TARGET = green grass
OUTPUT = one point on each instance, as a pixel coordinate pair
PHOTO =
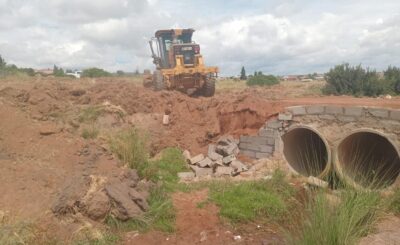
(131, 147)
(394, 202)
(90, 133)
(161, 214)
(264, 200)
(106, 239)
(337, 224)
(90, 114)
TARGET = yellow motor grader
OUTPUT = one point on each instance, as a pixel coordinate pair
(179, 64)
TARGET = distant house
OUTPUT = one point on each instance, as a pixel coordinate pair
(291, 78)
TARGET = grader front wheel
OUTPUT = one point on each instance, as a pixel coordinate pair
(209, 87)
(158, 81)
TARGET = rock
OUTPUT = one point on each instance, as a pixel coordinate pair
(223, 171)
(196, 159)
(206, 162)
(186, 176)
(186, 155)
(73, 191)
(201, 172)
(226, 160)
(130, 176)
(98, 206)
(48, 129)
(311, 180)
(218, 163)
(139, 199)
(125, 207)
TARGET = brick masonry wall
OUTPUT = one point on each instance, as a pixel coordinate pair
(333, 121)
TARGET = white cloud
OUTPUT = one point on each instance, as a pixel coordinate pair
(281, 37)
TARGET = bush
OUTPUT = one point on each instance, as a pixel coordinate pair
(355, 80)
(262, 80)
(95, 72)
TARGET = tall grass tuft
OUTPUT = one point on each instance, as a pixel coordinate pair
(131, 147)
(331, 223)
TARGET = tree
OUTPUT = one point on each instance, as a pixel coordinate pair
(137, 71)
(120, 73)
(2, 62)
(95, 72)
(262, 80)
(58, 72)
(243, 74)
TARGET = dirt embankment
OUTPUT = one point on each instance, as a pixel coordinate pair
(41, 147)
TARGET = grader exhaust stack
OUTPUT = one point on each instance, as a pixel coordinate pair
(179, 64)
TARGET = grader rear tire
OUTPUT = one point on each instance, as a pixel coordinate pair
(209, 87)
(158, 81)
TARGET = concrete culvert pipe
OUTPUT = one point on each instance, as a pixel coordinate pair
(367, 159)
(306, 151)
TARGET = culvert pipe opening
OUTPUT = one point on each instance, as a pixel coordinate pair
(367, 159)
(306, 151)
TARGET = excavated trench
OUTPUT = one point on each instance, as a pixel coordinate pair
(306, 151)
(367, 159)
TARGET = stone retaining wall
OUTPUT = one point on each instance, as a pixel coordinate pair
(333, 121)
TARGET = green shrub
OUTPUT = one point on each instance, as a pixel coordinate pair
(392, 76)
(131, 147)
(262, 80)
(95, 72)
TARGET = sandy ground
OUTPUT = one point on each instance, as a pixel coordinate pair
(40, 141)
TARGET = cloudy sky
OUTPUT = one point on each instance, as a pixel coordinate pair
(277, 37)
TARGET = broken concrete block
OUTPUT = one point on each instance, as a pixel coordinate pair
(186, 176)
(223, 171)
(196, 159)
(212, 154)
(186, 155)
(201, 172)
(226, 160)
(238, 166)
(266, 132)
(218, 162)
(311, 180)
(206, 162)
(275, 124)
(285, 116)
(226, 150)
(297, 110)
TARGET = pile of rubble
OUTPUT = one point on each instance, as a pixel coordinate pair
(220, 161)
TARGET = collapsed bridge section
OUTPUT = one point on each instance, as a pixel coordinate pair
(360, 143)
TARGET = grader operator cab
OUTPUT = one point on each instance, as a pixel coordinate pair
(179, 64)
